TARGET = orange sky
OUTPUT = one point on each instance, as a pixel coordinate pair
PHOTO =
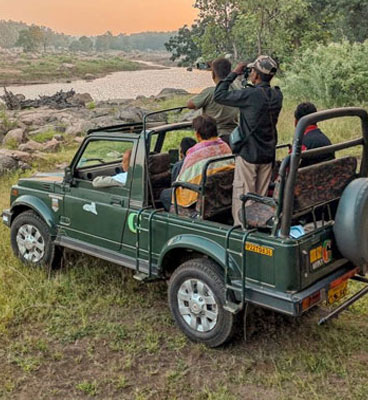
(90, 17)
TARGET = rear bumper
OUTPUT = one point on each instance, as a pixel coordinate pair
(6, 217)
(292, 303)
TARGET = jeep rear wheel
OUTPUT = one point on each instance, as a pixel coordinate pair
(31, 241)
(196, 299)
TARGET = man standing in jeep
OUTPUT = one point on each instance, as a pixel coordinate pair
(256, 138)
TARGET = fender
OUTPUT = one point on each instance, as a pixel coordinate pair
(202, 245)
(39, 207)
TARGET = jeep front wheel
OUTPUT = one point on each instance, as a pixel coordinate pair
(31, 241)
(196, 299)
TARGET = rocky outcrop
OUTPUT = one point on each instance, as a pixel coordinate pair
(25, 128)
(168, 93)
(14, 137)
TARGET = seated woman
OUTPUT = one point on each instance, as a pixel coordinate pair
(209, 146)
(166, 195)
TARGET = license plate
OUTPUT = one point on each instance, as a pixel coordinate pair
(338, 292)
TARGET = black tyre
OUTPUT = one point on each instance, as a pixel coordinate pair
(196, 299)
(31, 241)
(351, 222)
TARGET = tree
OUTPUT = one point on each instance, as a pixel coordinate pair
(184, 46)
(30, 39)
(219, 16)
(103, 42)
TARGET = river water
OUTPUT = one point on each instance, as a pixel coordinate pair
(125, 84)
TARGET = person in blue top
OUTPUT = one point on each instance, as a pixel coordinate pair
(118, 179)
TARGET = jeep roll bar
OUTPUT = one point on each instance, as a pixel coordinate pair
(297, 155)
(146, 116)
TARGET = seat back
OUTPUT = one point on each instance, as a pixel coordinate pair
(323, 182)
(217, 194)
(159, 170)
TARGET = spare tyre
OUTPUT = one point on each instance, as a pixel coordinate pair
(351, 222)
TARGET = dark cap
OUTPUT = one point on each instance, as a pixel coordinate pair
(264, 64)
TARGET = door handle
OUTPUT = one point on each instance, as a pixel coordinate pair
(118, 201)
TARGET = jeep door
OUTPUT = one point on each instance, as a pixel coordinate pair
(97, 215)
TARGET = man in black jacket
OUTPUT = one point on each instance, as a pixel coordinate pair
(259, 106)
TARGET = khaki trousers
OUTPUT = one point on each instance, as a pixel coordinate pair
(249, 178)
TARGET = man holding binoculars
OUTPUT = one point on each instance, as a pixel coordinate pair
(255, 139)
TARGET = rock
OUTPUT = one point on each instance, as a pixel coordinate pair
(51, 146)
(101, 112)
(190, 69)
(15, 136)
(189, 116)
(78, 139)
(62, 166)
(89, 77)
(79, 128)
(7, 163)
(106, 121)
(171, 92)
(17, 155)
(31, 146)
(114, 102)
(39, 117)
(80, 99)
(20, 96)
(59, 138)
(66, 66)
(46, 128)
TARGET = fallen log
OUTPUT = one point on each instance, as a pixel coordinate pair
(59, 100)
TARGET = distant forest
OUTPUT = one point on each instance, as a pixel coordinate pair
(34, 38)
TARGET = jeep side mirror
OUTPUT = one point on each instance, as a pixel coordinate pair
(68, 178)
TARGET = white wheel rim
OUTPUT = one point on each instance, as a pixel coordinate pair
(31, 243)
(197, 305)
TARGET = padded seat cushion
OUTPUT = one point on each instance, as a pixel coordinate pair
(259, 215)
(158, 163)
(314, 185)
(162, 179)
(323, 182)
(218, 193)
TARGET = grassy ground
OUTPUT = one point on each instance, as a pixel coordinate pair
(91, 331)
(49, 67)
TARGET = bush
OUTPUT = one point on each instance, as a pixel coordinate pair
(332, 75)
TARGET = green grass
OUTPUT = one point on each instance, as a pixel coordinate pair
(91, 331)
(43, 137)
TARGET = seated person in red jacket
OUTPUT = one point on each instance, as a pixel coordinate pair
(313, 136)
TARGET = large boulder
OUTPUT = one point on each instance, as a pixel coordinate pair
(7, 163)
(79, 128)
(136, 114)
(31, 146)
(168, 93)
(15, 136)
(17, 155)
(89, 77)
(39, 117)
(51, 146)
(80, 99)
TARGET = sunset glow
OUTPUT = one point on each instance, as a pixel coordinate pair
(92, 17)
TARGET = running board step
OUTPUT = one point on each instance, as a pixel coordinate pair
(142, 277)
(232, 307)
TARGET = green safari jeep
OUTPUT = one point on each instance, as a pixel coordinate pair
(295, 249)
